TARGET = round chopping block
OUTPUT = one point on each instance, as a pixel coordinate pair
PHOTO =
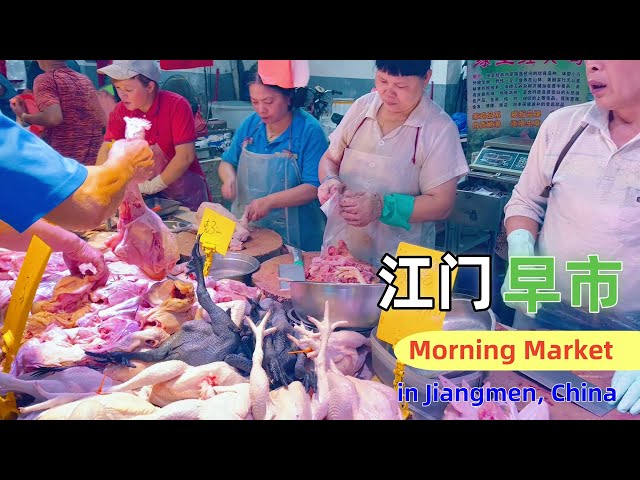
(266, 278)
(262, 245)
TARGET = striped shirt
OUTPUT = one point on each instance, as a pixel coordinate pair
(79, 136)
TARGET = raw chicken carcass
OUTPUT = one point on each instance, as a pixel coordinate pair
(175, 380)
(490, 409)
(229, 403)
(113, 406)
(173, 302)
(291, 402)
(143, 239)
(71, 380)
(348, 351)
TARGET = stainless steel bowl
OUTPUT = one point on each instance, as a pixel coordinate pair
(234, 266)
(355, 303)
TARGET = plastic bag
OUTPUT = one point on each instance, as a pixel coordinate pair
(135, 128)
(336, 225)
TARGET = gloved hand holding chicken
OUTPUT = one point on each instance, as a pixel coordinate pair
(75, 251)
(331, 185)
(360, 208)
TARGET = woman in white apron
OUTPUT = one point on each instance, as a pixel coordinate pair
(397, 157)
(271, 167)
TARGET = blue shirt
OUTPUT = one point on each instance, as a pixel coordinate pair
(309, 142)
(35, 178)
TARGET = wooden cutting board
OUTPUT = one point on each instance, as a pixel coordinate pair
(263, 244)
(266, 278)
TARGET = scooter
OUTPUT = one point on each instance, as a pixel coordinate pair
(320, 100)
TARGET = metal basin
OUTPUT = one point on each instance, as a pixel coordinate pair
(234, 266)
(355, 303)
(383, 361)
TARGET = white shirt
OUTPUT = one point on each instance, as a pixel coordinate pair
(594, 206)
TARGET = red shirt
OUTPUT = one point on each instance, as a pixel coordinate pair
(172, 124)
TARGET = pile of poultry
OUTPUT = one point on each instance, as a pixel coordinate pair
(140, 347)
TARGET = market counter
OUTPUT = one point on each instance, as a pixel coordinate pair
(558, 410)
(564, 410)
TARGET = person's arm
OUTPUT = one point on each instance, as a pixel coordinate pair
(329, 165)
(435, 204)
(45, 92)
(115, 131)
(231, 158)
(103, 190)
(39, 182)
(526, 207)
(183, 130)
(293, 197)
(227, 174)
(75, 250)
(184, 157)
(518, 222)
(103, 153)
(50, 117)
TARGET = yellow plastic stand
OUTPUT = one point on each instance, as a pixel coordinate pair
(395, 325)
(20, 304)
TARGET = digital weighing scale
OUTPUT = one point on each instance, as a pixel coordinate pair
(502, 159)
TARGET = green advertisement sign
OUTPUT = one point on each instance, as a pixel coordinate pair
(513, 97)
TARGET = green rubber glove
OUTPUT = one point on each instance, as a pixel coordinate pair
(397, 209)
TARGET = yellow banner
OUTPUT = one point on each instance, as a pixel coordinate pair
(521, 350)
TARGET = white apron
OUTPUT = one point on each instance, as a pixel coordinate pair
(375, 173)
(261, 174)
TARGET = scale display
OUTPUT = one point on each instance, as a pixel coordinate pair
(503, 161)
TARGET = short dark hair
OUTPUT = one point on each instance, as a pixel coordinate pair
(404, 68)
(297, 95)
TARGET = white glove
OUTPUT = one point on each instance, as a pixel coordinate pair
(152, 186)
(521, 244)
(627, 387)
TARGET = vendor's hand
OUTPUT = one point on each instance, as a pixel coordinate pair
(152, 186)
(329, 188)
(360, 208)
(228, 190)
(85, 253)
(521, 244)
(17, 106)
(258, 209)
(133, 156)
(627, 387)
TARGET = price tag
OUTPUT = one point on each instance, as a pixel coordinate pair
(216, 231)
